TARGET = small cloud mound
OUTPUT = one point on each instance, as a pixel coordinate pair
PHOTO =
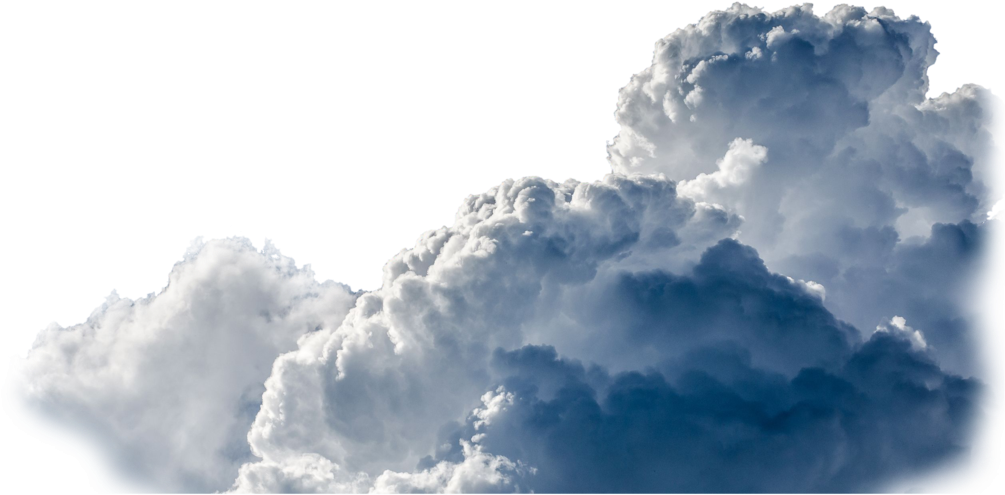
(811, 287)
(735, 169)
(898, 325)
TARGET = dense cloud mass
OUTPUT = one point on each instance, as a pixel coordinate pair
(712, 422)
(173, 381)
(818, 132)
(765, 295)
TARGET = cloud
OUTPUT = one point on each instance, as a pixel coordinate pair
(171, 382)
(818, 132)
(375, 396)
(735, 168)
(927, 281)
(371, 394)
(699, 320)
(715, 423)
(835, 196)
(811, 287)
(476, 472)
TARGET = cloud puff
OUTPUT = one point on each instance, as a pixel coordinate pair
(477, 471)
(700, 320)
(735, 168)
(172, 382)
(899, 325)
(812, 287)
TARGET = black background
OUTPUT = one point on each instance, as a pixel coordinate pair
(340, 135)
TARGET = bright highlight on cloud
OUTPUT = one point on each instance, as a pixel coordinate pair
(898, 324)
(765, 295)
(735, 168)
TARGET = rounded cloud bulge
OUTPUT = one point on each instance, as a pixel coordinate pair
(766, 294)
(817, 130)
(839, 102)
(170, 383)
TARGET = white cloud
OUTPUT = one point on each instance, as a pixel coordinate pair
(735, 168)
(811, 287)
(495, 404)
(171, 382)
(305, 473)
(776, 36)
(479, 472)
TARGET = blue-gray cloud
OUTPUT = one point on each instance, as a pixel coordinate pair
(924, 280)
(766, 295)
(715, 423)
(782, 398)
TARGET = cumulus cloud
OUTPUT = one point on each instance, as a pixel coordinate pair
(712, 422)
(172, 382)
(727, 311)
(860, 174)
(924, 280)
(853, 162)
(371, 394)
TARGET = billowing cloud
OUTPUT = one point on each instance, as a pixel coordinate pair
(172, 382)
(765, 295)
(867, 189)
(712, 422)
(517, 266)
(818, 132)
(946, 285)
